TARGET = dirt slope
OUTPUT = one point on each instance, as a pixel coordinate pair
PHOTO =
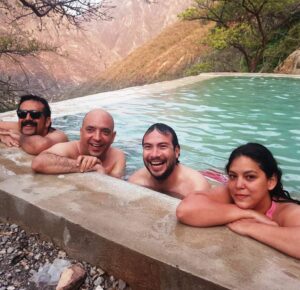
(163, 58)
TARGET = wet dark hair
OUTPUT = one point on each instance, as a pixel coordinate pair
(46, 110)
(165, 130)
(267, 163)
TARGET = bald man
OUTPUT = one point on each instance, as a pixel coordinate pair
(93, 152)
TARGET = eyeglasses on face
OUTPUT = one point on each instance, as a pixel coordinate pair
(22, 114)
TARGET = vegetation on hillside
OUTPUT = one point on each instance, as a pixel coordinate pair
(17, 42)
(165, 57)
(263, 32)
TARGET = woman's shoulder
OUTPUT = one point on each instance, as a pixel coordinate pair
(287, 206)
(287, 214)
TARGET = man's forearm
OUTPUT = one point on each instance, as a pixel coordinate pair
(54, 164)
(4, 125)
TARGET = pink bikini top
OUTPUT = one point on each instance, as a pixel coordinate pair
(271, 210)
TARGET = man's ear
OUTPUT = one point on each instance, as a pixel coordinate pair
(113, 136)
(272, 182)
(177, 151)
(48, 123)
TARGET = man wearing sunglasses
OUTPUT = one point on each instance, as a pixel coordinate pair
(93, 152)
(33, 131)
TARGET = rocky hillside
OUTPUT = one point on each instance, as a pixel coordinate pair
(291, 65)
(162, 58)
(83, 54)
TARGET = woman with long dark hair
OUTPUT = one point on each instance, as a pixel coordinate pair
(253, 203)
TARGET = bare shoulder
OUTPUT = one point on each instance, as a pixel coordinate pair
(139, 177)
(117, 153)
(195, 173)
(287, 214)
(195, 177)
(218, 193)
(116, 157)
(68, 149)
(188, 171)
(57, 136)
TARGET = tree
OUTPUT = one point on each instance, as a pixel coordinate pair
(75, 11)
(252, 27)
(15, 42)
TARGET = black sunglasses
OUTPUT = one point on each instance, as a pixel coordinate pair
(22, 114)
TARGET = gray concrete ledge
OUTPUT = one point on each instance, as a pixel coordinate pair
(132, 232)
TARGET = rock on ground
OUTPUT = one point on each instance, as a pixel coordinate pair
(22, 255)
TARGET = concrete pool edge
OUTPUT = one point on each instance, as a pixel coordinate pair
(132, 232)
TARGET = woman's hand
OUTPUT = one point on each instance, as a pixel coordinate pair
(243, 226)
(261, 218)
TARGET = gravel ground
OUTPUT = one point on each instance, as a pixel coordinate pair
(22, 255)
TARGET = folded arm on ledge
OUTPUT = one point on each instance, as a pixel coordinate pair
(66, 158)
(35, 144)
(216, 207)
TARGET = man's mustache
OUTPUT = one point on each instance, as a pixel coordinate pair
(28, 122)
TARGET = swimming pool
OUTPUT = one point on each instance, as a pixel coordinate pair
(211, 118)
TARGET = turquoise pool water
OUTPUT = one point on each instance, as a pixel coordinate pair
(211, 118)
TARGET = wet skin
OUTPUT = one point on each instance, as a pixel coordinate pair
(159, 154)
(249, 186)
(96, 134)
(29, 126)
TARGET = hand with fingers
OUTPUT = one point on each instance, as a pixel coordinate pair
(87, 163)
(243, 226)
(9, 140)
(261, 218)
(15, 135)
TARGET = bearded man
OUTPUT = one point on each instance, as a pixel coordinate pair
(162, 171)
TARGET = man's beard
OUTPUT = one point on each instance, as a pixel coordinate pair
(166, 174)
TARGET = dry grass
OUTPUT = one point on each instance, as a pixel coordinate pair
(163, 58)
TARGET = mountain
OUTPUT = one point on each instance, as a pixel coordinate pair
(163, 58)
(81, 55)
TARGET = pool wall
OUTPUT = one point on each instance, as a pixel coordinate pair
(132, 232)
(129, 231)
